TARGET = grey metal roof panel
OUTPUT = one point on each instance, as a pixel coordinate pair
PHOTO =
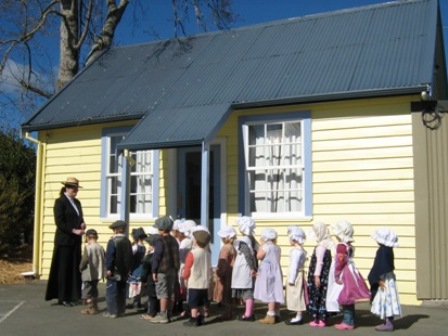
(364, 51)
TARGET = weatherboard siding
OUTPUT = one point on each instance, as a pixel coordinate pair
(362, 164)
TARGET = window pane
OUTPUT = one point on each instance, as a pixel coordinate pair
(275, 170)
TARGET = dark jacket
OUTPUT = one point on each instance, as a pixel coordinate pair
(119, 256)
(67, 219)
(166, 254)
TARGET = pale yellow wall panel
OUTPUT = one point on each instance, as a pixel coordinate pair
(362, 132)
(363, 197)
(390, 174)
(371, 208)
(379, 153)
(360, 186)
(380, 142)
(373, 220)
(366, 164)
(363, 121)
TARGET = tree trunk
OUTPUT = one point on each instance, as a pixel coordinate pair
(69, 53)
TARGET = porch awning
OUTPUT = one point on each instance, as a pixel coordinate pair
(176, 127)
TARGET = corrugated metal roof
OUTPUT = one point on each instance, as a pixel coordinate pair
(366, 51)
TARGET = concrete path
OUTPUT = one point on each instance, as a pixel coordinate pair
(23, 311)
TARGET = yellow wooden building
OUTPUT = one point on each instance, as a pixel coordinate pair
(321, 118)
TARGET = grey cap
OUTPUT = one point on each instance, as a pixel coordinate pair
(118, 224)
(151, 240)
(164, 223)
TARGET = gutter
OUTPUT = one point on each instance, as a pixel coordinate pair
(37, 234)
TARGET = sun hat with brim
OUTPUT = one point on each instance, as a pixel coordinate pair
(164, 223)
(71, 182)
(385, 237)
(227, 232)
(118, 224)
(202, 237)
(343, 230)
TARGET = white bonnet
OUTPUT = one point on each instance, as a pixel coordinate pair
(385, 237)
(177, 224)
(187, 227)
(150, 230)
(297, 234)
(246, 225)
(227, 232)
(269, 234)
(343, 230)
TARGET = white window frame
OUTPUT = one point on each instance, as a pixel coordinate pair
(120, 176)
(303, 167)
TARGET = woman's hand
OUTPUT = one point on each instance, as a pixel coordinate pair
(317, 281)
(78, 232)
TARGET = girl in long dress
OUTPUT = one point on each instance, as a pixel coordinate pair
(383, 287)
(318, 275)
(269, 282)
(296, 292)
(245, 267)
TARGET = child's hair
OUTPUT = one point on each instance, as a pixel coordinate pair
(92, 234)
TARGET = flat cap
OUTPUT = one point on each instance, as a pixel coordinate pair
(164, 223)
(118, 224)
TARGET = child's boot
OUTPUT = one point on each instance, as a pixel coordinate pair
(191, 322)
(387, 326)
(268, 319)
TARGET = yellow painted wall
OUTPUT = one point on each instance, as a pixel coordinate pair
(362, 172)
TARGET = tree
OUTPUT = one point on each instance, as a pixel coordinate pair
(85, 28)
(17, 175)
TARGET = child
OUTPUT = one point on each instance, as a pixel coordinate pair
(245, 267)
(118, 266)
(93, 268)
(296, 286)
(353, 288)
(223, 288)
(198, 273)
(384, 293)
(185, 245)
(269, 282)
(165, 268)
(135, 280)
(153, 303)
(318, 275)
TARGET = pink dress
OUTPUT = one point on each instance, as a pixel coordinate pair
(354, 288)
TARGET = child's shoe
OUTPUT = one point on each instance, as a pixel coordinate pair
(191, 322)
(160, 318)
(344, 326)
(387, 326)
(317, 323)
(268, 319)
(245, 318)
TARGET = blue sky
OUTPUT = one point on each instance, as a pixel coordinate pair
(157, 22)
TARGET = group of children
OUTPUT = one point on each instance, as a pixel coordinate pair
(176, 268)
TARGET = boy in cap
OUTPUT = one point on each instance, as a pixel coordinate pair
(118, 266)
(92, 268)
(165, 268)
(198, 273)
(153, 303)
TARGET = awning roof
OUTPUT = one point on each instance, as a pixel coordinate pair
(187, 126)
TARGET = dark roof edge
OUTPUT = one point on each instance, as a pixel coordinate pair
(90, 121)
(161, 145)
(323, 98)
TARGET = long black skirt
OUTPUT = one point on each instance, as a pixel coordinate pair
(64, 282)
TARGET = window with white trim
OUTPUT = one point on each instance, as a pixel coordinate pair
(274, 170)
(141, 188)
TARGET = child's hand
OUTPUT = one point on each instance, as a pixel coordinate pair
(382, 284)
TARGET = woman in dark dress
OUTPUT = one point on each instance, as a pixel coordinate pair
(64, 283)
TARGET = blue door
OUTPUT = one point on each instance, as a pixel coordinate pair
(189, 190)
